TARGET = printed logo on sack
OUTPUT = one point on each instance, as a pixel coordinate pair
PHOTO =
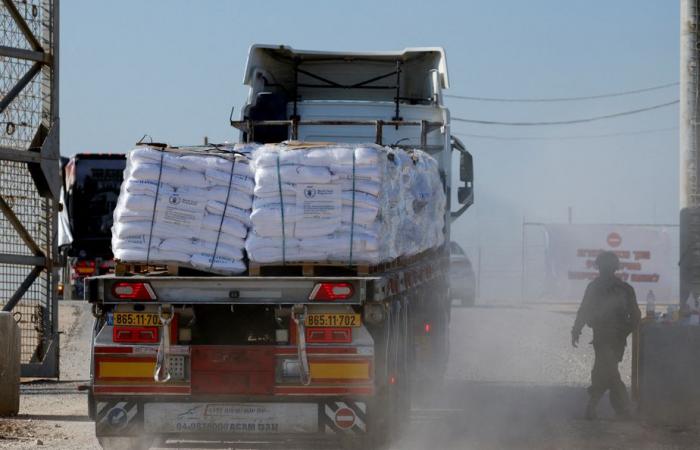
(174, 200)
(614, 240)
(310, 192)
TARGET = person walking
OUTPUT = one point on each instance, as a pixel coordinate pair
(609, 307)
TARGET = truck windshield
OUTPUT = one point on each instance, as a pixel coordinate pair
(92, 198)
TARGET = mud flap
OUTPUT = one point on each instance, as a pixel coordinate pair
(342, 417)
(118, 418)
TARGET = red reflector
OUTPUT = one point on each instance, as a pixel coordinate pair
(135, 335)
(329, 335)
(133, 291)
(332, 291)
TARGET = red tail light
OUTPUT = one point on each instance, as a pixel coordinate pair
(428, 328)
(133, 291)
(84, 267)
(329, 335)
(332, 291)
(134, 335)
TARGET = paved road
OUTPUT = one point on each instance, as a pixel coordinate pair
(514, 382)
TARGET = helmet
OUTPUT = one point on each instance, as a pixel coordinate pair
(607, 262)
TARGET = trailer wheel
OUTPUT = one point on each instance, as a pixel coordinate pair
(125, 443)
(91, 405)
(382, 422)
(469, 300)
(392, 404)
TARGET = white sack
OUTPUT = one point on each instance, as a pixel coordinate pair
(220, 264)
(184, 222)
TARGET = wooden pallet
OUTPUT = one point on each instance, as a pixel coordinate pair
(327, 268)
(122, 268)
(309, 269)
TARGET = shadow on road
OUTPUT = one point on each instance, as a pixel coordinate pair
(54, 417)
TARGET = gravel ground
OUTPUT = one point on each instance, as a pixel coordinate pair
(53, 414)
(514, 382)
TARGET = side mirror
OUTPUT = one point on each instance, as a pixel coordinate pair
(466, 176)
(465, 192)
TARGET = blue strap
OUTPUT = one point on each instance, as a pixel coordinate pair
(223, 214)
(352, 213)
(279, 187)
(155, 204)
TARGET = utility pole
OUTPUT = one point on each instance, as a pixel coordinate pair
(689, 151)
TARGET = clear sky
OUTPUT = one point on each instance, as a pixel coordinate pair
(173, 69)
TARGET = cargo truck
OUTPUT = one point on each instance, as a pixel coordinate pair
(306, 354)
(89, 192)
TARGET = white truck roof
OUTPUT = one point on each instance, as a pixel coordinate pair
(320, 75)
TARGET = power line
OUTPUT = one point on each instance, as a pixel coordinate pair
(562, 99)
(566, 138)
(566, 122)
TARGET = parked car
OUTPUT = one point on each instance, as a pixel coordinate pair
(462, 278)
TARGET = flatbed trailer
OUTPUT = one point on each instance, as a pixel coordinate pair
(305, 353)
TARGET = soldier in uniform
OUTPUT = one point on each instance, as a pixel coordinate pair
(610, 308)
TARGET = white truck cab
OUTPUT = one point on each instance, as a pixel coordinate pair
(390, 98)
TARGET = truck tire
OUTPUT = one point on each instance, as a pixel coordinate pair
(125, 443)
(469, 300)
(9, 365)
(91, 405)
(382, 421)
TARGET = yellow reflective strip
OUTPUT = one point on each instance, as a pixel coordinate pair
(130, 369)
(339, 371)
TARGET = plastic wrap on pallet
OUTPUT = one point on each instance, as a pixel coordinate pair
(355, 204)
(188, 206)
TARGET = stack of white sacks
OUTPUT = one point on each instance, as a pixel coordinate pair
(184, 206)
(343, 203)
(354, 204)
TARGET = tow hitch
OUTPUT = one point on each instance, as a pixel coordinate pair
(161, 373)
(299, 316)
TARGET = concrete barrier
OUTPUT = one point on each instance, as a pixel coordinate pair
(9, 365)
(669, 393)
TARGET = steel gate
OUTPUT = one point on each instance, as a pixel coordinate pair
(29, 177)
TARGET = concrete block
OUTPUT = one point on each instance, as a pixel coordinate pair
(9, 365)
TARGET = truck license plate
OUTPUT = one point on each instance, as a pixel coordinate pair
(332, 320)
(236, 418)
(132, 319)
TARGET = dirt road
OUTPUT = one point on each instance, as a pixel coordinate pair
(514, 382)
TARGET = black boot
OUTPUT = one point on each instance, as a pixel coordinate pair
(590, 413)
